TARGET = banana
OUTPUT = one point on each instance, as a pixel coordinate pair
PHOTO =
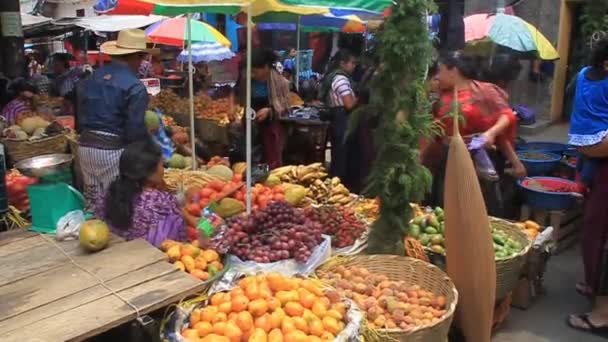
(346, 200)
(335, 181)
(280, 171)
(336, 198)
(340, 189)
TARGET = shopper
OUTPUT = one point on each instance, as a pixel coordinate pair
(112, 112)
(137, 204)
(270, 101)
(338, 95)
(589, 131)
(486, 114)
(23, 101)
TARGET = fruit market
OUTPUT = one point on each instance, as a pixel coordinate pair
(297, 170)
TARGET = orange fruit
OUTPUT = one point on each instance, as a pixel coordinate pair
(258, 335)
(199, 274)
(327, 336)
(295, 336)
(315, 327)
(307, 299)
(275, 320)
(195, 317)
(219, 328)
(275, 336)
(232, 316)
(294, 309)
(287, 325)
(263, 322)
(331, 324)
(208, 313)
(276, 281)
(203, 328)
(218, 298)
(314, 339)
(264, 290)
(300, 324)
(311, 287)
(340, 307)
(335, 314)
(218, 265)
(220, 317)
(246, 281)
(273, 303)
(237, 291)
(200, 263)
(258, 307)
(319, 309)
(287, 296)
(190, 334)
(244, 320)
(211, 255)
(225, 307)
(215, 338)
(233, 332)
(252, 291)
(188, 262)
(239, 303)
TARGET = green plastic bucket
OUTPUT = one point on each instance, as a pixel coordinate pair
(50, 202)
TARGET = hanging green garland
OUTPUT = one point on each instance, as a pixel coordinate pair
(400, 97)
(594, 19)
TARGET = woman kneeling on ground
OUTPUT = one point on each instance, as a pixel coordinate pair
(137, 204)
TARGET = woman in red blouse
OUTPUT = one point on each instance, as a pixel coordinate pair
(485, 111)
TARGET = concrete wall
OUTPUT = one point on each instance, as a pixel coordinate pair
(544, 14)
(59, 10)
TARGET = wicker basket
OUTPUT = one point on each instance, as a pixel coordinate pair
(413, 272)
(23, 149)
(508, 270)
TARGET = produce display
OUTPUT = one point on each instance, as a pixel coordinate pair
(367, 209)
(16, 188)
(188, 257)
(205, 107)
(32, 126)
(94, 235)
(388, 304)
(562, 187)
(299, 174)
(270, 308)
(217, 160)
(340, 223)
(174, 178)
(278, 232)
(428, 228)
(178, 161)
(530, 227)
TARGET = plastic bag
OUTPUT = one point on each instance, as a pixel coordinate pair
(289, 267)
(483, 164)
(68, 227)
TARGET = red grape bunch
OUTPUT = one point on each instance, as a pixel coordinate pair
(341, 223)
(275, 233)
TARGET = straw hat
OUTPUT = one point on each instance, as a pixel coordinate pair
(128, 42)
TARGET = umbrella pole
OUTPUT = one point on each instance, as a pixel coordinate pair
(191, 91)
(298, 34)
(248, 111)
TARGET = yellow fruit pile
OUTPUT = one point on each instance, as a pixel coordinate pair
(388, 304)
(188, 257)
(270, 308)
(530, 227)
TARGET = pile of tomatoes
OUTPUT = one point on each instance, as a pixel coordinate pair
(16, 188)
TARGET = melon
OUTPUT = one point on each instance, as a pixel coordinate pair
(152, 120)
(94, 235)
(222, 172)
(177, 161)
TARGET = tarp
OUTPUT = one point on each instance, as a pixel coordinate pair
(115, 23)
(28, 20)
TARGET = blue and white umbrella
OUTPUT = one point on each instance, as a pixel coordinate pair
(206, 52)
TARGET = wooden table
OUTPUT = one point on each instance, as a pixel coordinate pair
(45, 297)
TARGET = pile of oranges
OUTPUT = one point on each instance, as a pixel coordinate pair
(188, 257)
(271, 308)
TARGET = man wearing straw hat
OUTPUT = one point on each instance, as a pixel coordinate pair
(111, 112)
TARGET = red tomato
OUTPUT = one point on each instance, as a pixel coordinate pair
(237, 178)
(278, 189)
(278, 197)
(191, 233)
(203, 203)
(194, 209)
(206, 192)
(263, 203)
(239, 196)
(216, 185)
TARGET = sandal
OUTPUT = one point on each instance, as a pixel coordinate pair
(584, 290)
(590, 328)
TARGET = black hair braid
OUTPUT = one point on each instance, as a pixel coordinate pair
(599, 57)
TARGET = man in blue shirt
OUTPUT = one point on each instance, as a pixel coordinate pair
(112, 105)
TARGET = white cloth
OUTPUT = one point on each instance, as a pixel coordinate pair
(340, 87)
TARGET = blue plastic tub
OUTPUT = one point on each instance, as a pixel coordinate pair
(551, 200)
(544, 146)
(538, 166)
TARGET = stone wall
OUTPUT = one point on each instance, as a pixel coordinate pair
(544, 14)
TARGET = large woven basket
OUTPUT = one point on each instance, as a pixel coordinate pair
(508, 270)
(19, 150)
(413, 272)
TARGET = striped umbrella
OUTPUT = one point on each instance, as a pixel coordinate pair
(174, 31)
(206, 52)
(316, 23)
(509, 31)
(346, 7)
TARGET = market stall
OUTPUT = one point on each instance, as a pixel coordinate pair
(69, 294)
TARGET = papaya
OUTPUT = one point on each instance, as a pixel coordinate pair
(295, 194)
(222, 172)
(228, 207)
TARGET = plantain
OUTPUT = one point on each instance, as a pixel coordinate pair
(280, 171)
(346, 200)
(336, 198)
(340, 189)
(335, 181)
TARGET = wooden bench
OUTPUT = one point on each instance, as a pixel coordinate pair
(44, 296)
(566, 224)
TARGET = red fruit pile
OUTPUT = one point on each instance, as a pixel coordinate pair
(16, 188)
(341, 223)
(276, 233)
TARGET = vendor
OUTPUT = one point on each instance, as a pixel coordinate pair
(113, 105)
(137, 204)
(270, 101)
(64, 82)
(23, 101)
(338, 95)
(486, 113)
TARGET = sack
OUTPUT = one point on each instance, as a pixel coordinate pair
(68, 227)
